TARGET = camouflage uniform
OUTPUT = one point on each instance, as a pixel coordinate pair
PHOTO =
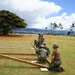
(55, 65)
(42, 54)
(48, 50)
(36, 43)
(40, 40)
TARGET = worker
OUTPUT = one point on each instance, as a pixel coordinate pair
(42, 54)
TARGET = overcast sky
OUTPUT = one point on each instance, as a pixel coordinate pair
(40, 13)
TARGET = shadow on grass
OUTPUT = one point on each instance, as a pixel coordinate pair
(18, 67)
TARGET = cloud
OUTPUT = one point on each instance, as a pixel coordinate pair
(35, 12)
(35, 5)
(65, 20)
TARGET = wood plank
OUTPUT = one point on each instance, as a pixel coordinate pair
(29, 58)
(34, 54)
(23, 61)
(48, 61)
(21, 58)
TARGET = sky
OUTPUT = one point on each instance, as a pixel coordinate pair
(41, 13)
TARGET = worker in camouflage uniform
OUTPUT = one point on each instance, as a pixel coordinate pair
(55, 59)
(42, 54)
(40, 40)
(36, 43)
(46, 48)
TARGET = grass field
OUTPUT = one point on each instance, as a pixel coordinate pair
(22, 44)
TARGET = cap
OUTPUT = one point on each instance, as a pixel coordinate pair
(42, 46)
(55, 45)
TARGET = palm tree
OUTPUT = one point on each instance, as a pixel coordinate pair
(46, 29)
(51, 25)
(54, 26)
(71, 28)
(60, 27)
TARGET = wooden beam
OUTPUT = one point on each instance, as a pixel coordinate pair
(18, 53)
(48, 61)
(29, 58)
(23, 61)
(21, 58)
(33, 46)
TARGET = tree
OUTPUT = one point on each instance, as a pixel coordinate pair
(9, 20)
(71, 28)
(60, 27)
(55, 26)
(51, 25)
(45, 27)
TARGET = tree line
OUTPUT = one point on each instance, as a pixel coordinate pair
(9, 20)
(54, 26)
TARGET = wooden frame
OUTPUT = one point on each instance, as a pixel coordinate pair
(23, 61)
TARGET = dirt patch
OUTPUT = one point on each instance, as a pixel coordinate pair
(27, 37)
(16, 37)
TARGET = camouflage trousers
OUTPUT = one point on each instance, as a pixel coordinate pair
(54, 66)
(41, 59)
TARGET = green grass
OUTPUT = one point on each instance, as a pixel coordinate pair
(10, 67)
(15, 46)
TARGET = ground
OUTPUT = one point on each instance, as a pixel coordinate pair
(22, 44)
